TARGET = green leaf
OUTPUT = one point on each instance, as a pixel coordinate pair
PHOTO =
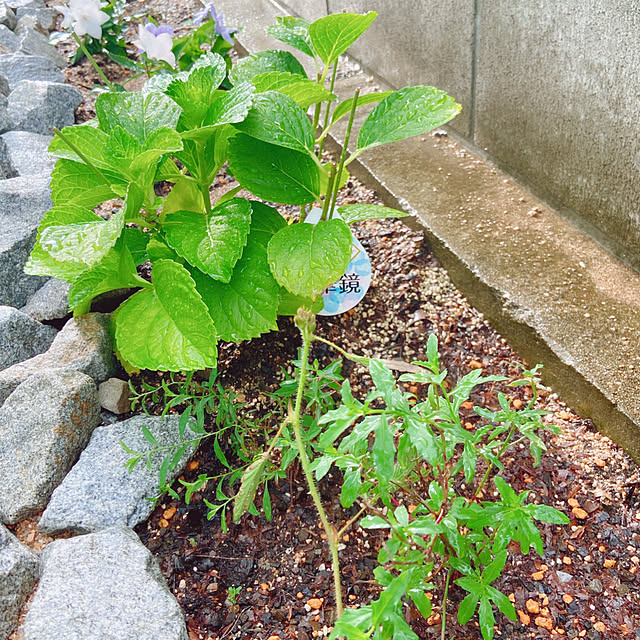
(289, 304)
(139, 114)
(492, 571)
(213, 243)
(486, 618)
(350, 487)
(86, 240)
(468, 608)
(332, 35)
(306, 259)
(545, 513)
(262, 62)
(76, 183)
(167, 327)
(186, 195)
(406, 113)
(292, 31)
(274, 173)
(383, 379)
(345, 106)
(384, 452)
(423, 604)
(251, 479)
(423, 440)
(503, 603)
(351, 213)
(194, 92)
(277, 119)
(374, 522)
(303, 90)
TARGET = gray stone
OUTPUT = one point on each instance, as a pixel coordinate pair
(99, 491)
(8, 17)
(23, 203)
(49, 302)
(19, 4)
(308, 9)
(25, 154)
(19, 66)
(36, 44)
(5, 120)
(103, 586)
(84, 345)
(19, 570)
(115, 396)
(21, 337)
(39, 106)
(9, 41)
(44, 424)
(41, 19)
(4, 87)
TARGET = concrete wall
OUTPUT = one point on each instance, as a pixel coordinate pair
(550, 90)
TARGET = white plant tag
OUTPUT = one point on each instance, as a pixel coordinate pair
(354, 284)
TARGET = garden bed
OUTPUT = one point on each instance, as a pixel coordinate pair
(583, 586)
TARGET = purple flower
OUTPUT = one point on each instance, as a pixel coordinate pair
(218, 19)
(157, 30)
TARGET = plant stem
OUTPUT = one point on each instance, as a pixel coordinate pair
(76, 150)
(91, 59)
(351, 356)
(327, 197)
(343, 155)
(206, 197)
(306, 467)
(328, 112)
(491, 464)
(443, 635)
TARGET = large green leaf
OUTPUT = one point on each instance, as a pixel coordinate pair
(167, 327)
(292, 31)
(274, 173)
(346, 105)
(213, 243)
(251, 479)
(289, 304)
(303, 90)
(351, 213)
(139, 114)
(332, 35)
(270, 60)
(86, 241)
(195, 91)
(186, 195)
(76, 183)
(247, 306)
(116, 270)
(405, 113)
(305, 259)
(277, 119)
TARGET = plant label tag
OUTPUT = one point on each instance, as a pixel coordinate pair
(347, 292)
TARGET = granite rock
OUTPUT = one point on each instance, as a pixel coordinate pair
(8, 17)
(19, 4)
(16, 67)
(84, 345)
(36, 44)
(23, 153)
(21, 337)
(9, 41)
(19, 570)
(39, 106)
(44, 424)
(39, 18)
(115, 396)
(99, 491)
(49, 302)
(23, 203)
(103, 586)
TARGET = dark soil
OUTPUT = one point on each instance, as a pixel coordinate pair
(584, 586)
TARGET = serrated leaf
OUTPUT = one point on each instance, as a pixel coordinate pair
(305, 259)
(264, 61)
(212, 243)
(408, 112)
(76, 183)
(351, 213)
(332, 35)
(139, 114)
(292, 31)
(304, 91)
(186, 195)
(247, 306)
(345, 106)
(251, 479)
(277, 119)
(167, 327)
(274, 173)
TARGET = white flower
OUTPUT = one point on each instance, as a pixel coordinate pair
(156, 42)
(85, 17)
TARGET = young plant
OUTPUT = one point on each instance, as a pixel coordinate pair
(411, 467)
(224, 270)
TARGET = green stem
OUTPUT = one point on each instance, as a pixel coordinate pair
(306, 467)
(351, 356)
(491, 464)
(91, 59)
(328, 112)
(443, 635)
(343, 155)
(206, 197)
(327, 197)
(76, 150)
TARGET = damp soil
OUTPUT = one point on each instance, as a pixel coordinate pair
(266, 579)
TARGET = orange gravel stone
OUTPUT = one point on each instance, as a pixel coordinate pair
(474, 364)
(572, 502)
(169, 513)
(567, 598)
(609, 563)
(315, 603)
(524, 618)
(600, 626)
(193, 465)
(599, 463)
(538, 575)
(545, 623)
(517, 404)
(163, 523)
(533, 606)
(579, 513)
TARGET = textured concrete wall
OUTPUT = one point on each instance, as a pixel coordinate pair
(558, 103)
(427, 42)
(307, 9)
(551, 90)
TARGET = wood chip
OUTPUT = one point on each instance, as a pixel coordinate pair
(193, 465)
